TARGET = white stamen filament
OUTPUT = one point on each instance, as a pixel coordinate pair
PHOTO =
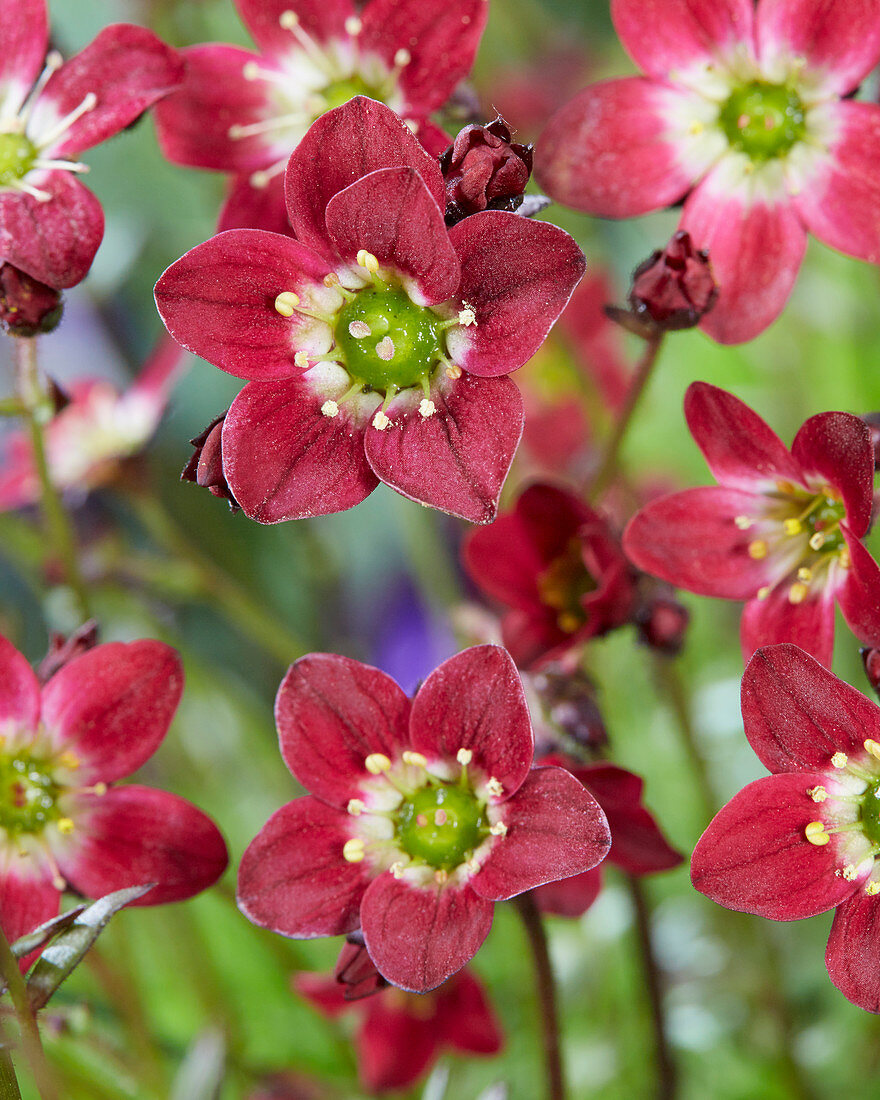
(90, 101)
(290, 21)
(280, 122)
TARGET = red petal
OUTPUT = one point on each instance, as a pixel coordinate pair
(465, 1019)
(359, 137)
(756, 243)
(851, 954)
(475, 701)
(19, 688)
(755, 858)
(836, 447)
(112, 706)
(325, 993)
(809, 625)
(293, 878)
(320, 19)
(741, 449)
(133, 835)
(691, 540)
(128, 68)
(517, 275)
(534, 637)
(332, 713)
(555, 828)
(859, 592)
(684, 34)
(392, 214)
(441, 37)
(249, 207)
(569, 897)
(218, 301)
(27, 896)
(395, 1044)
(193, 123)
(284, 459)
(797, 714)
(418, 937)
(24, 33)
(609, 151)
(840, 42)
(457, 458)
(54, 241)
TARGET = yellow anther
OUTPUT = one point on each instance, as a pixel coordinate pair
(872, 747)
(464, 757)
(251, 71)
(816, 834)
(397, 868)
(793, 526)
(839, 760)
(58, 882)
(798, 593)
(804, 574)
(367, 261)
(498, 829)
(494, 787)
(757, 549)
(353, 850)
(355, 807)
(467, 316)
(844, 559)
(568, 621)
(763, 591)
(353, 25)
(99, 789)
(696, 127)
(872, 888)
(440, 876)
(849, 872)
(380, 421)
(415, 758)
(377, 762)
(818, 794)
(288, 19)
(330, 408)
(426, 408)
(331, 279)
(286, 303)
(817, 541)
(69, 760)
(65, 825)
(743, 522)
(453, 371)
(301, 360)
(402, 57)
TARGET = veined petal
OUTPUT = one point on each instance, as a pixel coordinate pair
(456, 458)
(555, 829)
(851, 954)
(249, 207)
(808, 624)
(475, 701)
(420, 936)
(332, 713)
(322, 20)
(391, 214)
(517, 275)
(858, 592)
(27, 896)
(285, 459)
(754, 856)
(797, 714)
(217, 300)
(293, 877)
(111, 706)
(755, 240)
(19, 690)
(24, 32)
(836, 447)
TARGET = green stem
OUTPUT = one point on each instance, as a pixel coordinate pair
(30, 1035)
(9, 1089)
(59, 529)
(608, 464)
(537, 937)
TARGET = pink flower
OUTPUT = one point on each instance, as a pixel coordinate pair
(50, 225)
(806, 838)
(556, 564)
(744, 113)
(423, 813)
(782, 531)
(99, 718)
(242, 112)
(377, 340)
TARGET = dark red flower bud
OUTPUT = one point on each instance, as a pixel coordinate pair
(63, 649)
(27, 307)
(871, 661)
(674, 287)
(662, 623)
(569, 700)
(484, 170)
(356, 970)
(205, 468)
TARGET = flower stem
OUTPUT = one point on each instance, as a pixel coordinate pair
(30, 1035)
(667, 1084)
(9, 1089)
(537, 936)
(608, 464)
(59, 529)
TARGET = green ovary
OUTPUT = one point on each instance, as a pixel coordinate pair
(386, 340)
(17, 155)
(28, 795)
(341, 91)
(441, 825)
(869, 814)
(763, 120)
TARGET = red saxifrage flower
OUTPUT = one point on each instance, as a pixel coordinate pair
(745, 114)
(782, 531)
(245, 113)
(62, 823)
(806, 838)
(50, 224)
(377, 341)
(423, 813)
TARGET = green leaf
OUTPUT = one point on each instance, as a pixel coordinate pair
(201, 1072)
(44, 932)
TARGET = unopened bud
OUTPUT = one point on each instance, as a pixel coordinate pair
(27, 306)
(205, 468)
(484, 170)
(674, 288)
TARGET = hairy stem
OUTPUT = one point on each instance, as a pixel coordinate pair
(30, 1035)
(537, 936)
(9, 1089)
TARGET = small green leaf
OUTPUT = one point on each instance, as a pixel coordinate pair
(42, 934)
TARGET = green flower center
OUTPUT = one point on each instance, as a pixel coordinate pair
(441, 825)
(763, 120)
(28, 794)
(387, 341)
(869, 814)
(17, 155)
(341, 91)
(563, 584)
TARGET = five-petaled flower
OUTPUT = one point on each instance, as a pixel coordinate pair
(783, 529)
(423, 813)
(242, 112)
(50, 224)
(745, 113)
(377, 340)
(806, 838)
(62, 823)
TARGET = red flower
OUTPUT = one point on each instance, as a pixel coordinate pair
(246, 112)
(555, 563)
(423, 813)
(638, 847)
(99, 718)
(401, 1034)
(782, 530)
(745, 113)
(50, 225)
(356, 335)
(805, 839)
